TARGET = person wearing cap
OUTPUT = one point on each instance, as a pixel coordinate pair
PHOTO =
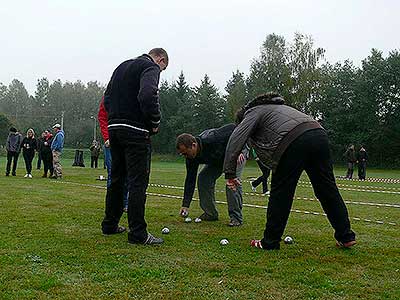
(289, 142)
(13, 147)
(133, 107)
(57, 146)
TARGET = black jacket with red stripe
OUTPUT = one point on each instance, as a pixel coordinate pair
(131, 98)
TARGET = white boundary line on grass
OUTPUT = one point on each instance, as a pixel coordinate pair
(357, 188)
(298, 198)
(221, 202)
(371, 179)
(360, 186)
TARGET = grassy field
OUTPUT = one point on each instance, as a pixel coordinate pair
(51, 246)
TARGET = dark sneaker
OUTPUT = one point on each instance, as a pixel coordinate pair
(7, 174)
(206, 217)
(150, 240)
(120, 229)
(347, 245)
(14, 174)
(234, 223)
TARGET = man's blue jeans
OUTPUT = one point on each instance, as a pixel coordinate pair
(107, 160)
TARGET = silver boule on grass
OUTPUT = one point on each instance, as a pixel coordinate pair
(165, 230)
(288, 240)
(188, 220)
(224, 242)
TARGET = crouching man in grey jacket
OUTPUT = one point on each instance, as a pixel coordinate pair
(288, 142)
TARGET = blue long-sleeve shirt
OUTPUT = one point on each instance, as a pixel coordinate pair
(58, 142)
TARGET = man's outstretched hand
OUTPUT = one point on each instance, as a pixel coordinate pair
(233, 183)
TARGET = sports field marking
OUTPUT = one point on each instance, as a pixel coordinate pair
(222, 202)
(297, 198)
(357, 188)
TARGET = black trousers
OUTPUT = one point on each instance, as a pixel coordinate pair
(131, 156)
(39, 161)
(12, 157)
(309, 152)
(263, 178)
(94, 160)
(362, 170)
(28, 158)
(350, 169)
(47, 158)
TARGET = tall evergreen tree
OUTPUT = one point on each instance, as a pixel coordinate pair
(209, 106)
(236, 95)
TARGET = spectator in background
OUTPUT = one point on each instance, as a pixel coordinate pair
(29, 145)
(362, 158)
(263, 178)
(45, 152)
(94, 154)
(350, 156)
(13, 147)
(39, 144)
(57, 146)
(103, 123)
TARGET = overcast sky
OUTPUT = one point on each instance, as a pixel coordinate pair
(86, 40)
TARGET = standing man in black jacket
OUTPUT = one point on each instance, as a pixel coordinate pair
(131, 101)
(288, 142)
(362, 158)
(209, 149)
(350, 156)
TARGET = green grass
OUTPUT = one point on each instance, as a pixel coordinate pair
(51, 246)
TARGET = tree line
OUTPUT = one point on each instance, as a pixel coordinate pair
(355, 104)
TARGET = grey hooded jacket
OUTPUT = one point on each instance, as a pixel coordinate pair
(14, 141)
(269, 129)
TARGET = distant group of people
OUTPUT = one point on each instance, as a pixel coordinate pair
(48, 146)
(285, 140)
(354, 158)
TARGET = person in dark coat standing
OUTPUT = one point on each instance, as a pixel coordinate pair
(289, 142)
(362, 158)
(351, 159)
(132, 104)
(45, 152)
(261, 179)
(29, 145)
(39, 144)
(94, 154)
(13, 147)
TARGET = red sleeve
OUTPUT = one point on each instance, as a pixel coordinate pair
(103, 120)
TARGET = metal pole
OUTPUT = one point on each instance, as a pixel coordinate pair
(62, 120)
(94, 129)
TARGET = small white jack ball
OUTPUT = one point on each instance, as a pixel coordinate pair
(288, 240)
(188, 220)
(165, 230)
(197, 220)
(224, 242)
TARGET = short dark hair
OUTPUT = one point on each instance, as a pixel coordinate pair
(13, 129)
(186, 140)
(159, 52)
